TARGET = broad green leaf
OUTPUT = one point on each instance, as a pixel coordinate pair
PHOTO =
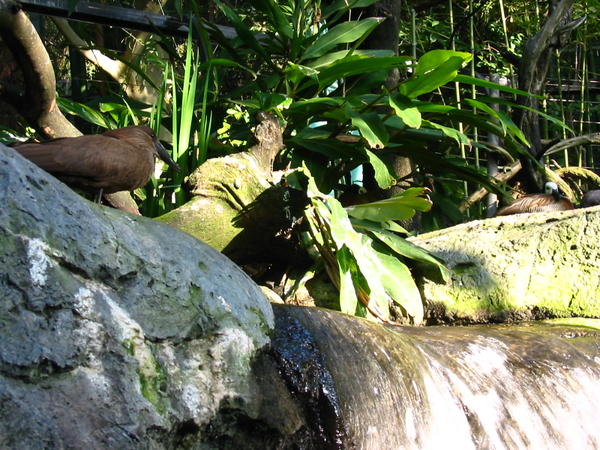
(330, 58)
(406, 110)
(383, 176)
(342, 231)
(428, 107)
(397, 281)
(505, 121)
(389, 225)
(513, 128)
(371, 127)
(346, 267)
(466, 79)
(431, 80)
(436, 58)
(407, 249)
(343, 33)
(485, 108)
(356, 65)
(84, 111)
(492, 148)
(450, 132)
(296, 72)
(330, 148)
(398, 207)
(312, 190)
(344, 234)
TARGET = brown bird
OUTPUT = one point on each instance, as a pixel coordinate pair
(551, 200)
(116, 160)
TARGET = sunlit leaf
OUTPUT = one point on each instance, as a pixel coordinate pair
(344, 234)
(407, 249)
(329, 58)
(453, 133)
(432, 79)
(398, 207)
(436, 58)
(346, 267)
(406, 110)
(371, 128)
(397, 281)
(342, 33)
(85, 112)
(356, 65)
(382, 174)
(296, 72)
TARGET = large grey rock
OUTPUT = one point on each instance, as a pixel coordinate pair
(517, 267)
(116, 331)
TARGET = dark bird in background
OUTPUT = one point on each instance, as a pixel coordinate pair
(116, 160)
(552, 200)
(590, 198)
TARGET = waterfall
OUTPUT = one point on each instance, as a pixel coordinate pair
(477, 387)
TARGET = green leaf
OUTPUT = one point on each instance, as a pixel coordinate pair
(407, 249)
(406, 110)
(296, 72)
(330, 58)
(397, 281)
(277, 17)
(344, 234)
(389, 225)
(331, 148)
(398, 207)
(450, 132)
(341, 6)
(436, 58)
(432, 79)
(356, 65)
(244, 32)
(347, 269)
(371, 127)
(466, 79)
(84, 111)
(343, 33)
(383, 176)
(548, 117)
(505, 121)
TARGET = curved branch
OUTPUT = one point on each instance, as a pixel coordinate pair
(112, 67)
(592, 138)
(38, 103)
(116, 69)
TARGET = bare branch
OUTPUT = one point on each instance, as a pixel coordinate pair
(38, 103)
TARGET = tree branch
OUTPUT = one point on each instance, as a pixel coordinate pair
(38, 103)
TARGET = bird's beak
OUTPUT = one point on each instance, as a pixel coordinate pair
(162, 154)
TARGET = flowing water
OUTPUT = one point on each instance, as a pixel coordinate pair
(476, 387)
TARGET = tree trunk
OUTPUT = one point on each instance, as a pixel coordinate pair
(532, 74)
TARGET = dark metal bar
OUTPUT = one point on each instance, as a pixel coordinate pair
(114, 15)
